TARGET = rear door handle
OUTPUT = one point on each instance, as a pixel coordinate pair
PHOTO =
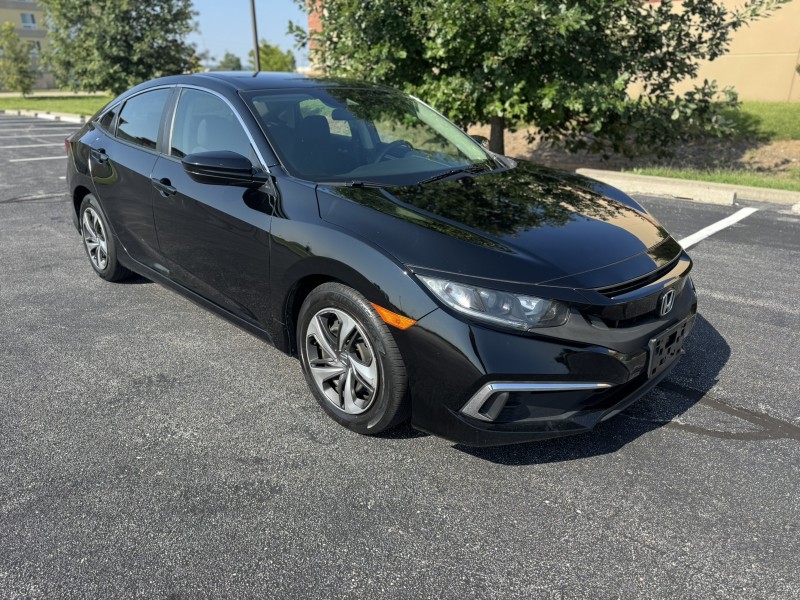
(164, 186)
(99, 154)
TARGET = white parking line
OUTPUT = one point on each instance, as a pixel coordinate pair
(37, 135)
(38, 158)
(28, 146)
(33, 127)
(699, 236)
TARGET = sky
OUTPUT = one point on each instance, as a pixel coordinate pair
(225, 26)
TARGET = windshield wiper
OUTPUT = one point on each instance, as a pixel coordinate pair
(477, 168)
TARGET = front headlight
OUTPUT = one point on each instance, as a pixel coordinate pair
(519, 312)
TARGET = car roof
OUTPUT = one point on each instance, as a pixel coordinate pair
(249, 81)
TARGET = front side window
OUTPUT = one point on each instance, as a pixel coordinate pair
(140, 118)
(338, 134)
(205, 123)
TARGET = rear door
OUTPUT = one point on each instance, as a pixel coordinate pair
(213, 238)
(122, 157)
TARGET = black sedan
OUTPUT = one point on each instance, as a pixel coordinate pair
(413, 273)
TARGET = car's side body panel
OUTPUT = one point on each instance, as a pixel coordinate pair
(215, 240)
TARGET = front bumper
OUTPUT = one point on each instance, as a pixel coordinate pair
(483, 387)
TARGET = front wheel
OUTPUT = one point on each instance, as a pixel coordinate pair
(350, 360)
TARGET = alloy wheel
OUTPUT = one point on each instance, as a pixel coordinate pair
(94, 236)
(342, 361)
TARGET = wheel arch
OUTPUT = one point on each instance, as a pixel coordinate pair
(387, 285)
(78, 194)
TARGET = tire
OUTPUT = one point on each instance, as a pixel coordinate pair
(99, 242)
(360, 380)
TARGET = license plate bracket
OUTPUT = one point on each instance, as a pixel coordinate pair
(667, 346)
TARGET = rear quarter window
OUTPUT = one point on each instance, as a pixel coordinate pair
(140, 118)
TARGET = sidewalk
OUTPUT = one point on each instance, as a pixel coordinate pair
(50, 116)
(698, 191)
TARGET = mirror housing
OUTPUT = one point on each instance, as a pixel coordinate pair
(222, 167)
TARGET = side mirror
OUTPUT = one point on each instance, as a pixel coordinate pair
(481, 139)
(223, 168)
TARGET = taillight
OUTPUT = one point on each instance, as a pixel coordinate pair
(66, 145)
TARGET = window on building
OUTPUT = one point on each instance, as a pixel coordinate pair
(28, 20)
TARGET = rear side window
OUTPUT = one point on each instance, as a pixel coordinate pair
(205, 123)
(141, 117)
(107, 120)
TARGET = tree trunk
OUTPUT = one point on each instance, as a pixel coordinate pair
(496, 136)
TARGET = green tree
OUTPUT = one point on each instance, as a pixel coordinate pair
(230, 62)
(115, 44)
(564, 66)
(272, 59)
(17, 73)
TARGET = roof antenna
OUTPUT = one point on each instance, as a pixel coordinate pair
(257, 54)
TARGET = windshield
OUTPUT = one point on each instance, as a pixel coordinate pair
(358, 134)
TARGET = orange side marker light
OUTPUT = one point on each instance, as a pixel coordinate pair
(394, 319)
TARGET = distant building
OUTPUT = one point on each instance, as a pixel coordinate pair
(761, 64)
(763, 57)
(28, 18)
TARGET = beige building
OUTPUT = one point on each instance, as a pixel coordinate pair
(28, 18)
(763, 58)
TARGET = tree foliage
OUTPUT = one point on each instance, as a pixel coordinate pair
(272, 58)
(17, 73)
(562, 65)
(115, 44)
(230, 62)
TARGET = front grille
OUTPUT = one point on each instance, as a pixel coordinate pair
(637, 301)
(613, 291)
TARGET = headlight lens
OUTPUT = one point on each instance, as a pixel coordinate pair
(518, 312)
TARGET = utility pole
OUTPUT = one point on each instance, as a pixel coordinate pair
(257, 54)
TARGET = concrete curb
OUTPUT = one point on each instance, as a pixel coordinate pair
(49, 116)
(697, 191)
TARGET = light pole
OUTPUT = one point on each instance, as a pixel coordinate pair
(257, 54)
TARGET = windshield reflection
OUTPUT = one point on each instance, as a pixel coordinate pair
(361, 134)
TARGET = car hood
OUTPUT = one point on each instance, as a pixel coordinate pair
(525, 225)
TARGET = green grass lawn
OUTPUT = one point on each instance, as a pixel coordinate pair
(789, 180)
(770, 120)
(79, 105)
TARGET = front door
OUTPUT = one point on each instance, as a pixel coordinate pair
(214, 239)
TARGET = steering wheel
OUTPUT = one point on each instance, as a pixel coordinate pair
(392, 146)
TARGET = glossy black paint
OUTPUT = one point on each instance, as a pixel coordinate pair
(252, 253)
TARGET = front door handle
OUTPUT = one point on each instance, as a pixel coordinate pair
(99, 154)
(164, 186)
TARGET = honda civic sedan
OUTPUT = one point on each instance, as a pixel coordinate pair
(413, 273)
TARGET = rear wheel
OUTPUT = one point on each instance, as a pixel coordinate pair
(98, 241)
(350, 360)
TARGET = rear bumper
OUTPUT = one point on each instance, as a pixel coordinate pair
(483, 387)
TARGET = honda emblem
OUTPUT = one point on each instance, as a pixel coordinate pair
(665, 303)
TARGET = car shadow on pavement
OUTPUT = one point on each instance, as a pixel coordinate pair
(693, 377)
(136, 280)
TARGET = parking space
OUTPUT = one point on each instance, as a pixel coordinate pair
(150, 449)
(32, 140)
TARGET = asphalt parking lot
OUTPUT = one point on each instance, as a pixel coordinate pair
(149, 449)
